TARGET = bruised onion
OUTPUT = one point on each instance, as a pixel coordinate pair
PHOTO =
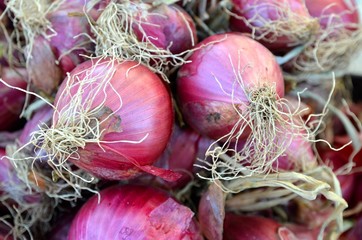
(11, 100)
(233, 87)
(137, 212)
(111, 118)
(279, 25)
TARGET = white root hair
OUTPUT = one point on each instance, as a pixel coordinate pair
(115, 37)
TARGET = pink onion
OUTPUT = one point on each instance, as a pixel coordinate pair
(118, 107)
(136, 212)
(11, 100)
(279, 25)
(167, 27)
(355, 233)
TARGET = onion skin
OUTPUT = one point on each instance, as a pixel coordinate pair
(137, 213)
(168, 28)
(204, 105)
(282, 42)
(11, 100)
(144, 111)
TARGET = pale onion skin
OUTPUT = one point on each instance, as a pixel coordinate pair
(133, 212)
(146, 109)
(283, 42)
(170, 28)
(205, 107)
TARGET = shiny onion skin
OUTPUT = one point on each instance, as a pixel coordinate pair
(11, 100)
(168, 27)
(133, 212)
(204, 105)
(279, 25)
(145, 117)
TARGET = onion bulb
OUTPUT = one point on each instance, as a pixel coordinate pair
(107, 122)
(136, 212)
(232, 90)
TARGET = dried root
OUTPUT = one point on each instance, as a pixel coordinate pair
(115, 37)
(297, 29)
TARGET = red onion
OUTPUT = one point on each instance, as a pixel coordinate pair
(144, 33)
(233, 86)
(167, 27)
(136, 212)
(11, 100)
(339, 37)
(279, 25)
(104, 105)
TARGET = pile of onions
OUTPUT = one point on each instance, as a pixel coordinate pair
(11, 100)
(279, 25)
(155, 35)
(337, 40)
(137, 212)
(103, 105)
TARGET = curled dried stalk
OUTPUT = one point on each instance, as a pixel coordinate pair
(115, 37)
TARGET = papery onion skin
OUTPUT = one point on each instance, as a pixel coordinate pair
(260, 13)
(11, 100)
(168, 27)
(204, 104)
(146, 112)
(136, 212)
